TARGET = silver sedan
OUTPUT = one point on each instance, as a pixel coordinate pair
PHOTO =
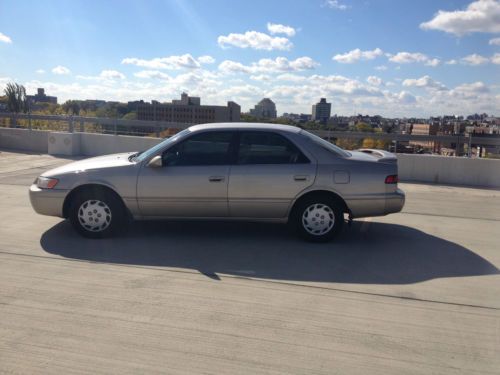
(231, 171)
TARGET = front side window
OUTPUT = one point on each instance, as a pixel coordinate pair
(210, 148)
(268, 148)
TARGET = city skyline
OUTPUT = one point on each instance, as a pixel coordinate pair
(392, 59)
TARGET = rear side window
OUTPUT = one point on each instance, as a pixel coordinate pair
(210, 148)
(325, 144)
(268, 148)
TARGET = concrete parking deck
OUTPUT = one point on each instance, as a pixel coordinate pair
(414, 293)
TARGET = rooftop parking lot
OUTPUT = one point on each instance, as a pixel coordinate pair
(414, 292)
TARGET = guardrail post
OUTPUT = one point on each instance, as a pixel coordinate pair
(82, 129)
(157, 130)
(70, 124)
(470, 145)
(29, 121)
(114, 126)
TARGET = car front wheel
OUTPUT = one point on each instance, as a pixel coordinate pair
(318, 219)
(97, 214)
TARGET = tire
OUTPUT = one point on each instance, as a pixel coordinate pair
(97, 214)
(318, 218)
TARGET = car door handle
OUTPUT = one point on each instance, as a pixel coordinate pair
(216, 178)
(300, 177)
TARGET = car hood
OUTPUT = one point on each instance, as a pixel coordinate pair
(96, 163)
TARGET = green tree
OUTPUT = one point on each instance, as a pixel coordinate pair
(72, 107)
(348, 143)
(130, 116)
(363, 127)
(16, 98)
(382, 144)
(369, 143)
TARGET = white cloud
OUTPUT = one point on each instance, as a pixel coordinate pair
(381, 67)
(494, 42)
(61, 70)
(185, 61)
(291, 92)
(229, 66)
(291, 77)
(405, 97)
(254, 40)
(374, 80)
(280, 64)
(451, 62)
(496, 59)
(474, 59)
(413, 57)
(336, 4)
(276, 28)
(433, 62)
(105, 75)
(5, 39)
(424, 82)
(468, 89)
(111, 74)
(40, 71)
(206, 59)
(156, 74)
(261, 78)
(479, 16)
(3, 82)
(356, 55)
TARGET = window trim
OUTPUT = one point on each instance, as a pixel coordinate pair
(237, 147)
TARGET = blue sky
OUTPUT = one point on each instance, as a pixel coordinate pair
(394, 58)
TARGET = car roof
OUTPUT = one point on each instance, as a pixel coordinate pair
(246, 126)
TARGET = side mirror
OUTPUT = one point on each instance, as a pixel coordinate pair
(156, 162)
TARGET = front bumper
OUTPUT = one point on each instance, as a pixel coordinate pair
(394, 202)
(47, 201)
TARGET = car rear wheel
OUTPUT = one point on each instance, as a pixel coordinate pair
(97, 214)
(318, 219)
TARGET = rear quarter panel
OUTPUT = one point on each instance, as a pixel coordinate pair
(364, 190)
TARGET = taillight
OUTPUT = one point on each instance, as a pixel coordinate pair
(392, 179)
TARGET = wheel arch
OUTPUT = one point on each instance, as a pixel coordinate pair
(90, 187)
(319, 192)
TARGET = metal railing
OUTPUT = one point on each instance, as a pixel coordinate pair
(80, 124)
(156, 128)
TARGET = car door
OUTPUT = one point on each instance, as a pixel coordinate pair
(192, 181)
(270, 171)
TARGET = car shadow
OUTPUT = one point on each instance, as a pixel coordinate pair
(366, 253)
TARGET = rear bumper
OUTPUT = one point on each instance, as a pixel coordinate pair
(376, 204)
(47, 201)
(394, 202)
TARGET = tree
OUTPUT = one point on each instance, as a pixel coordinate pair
(130, 116)
(16, 98)
(72, 107)
(347, 143)
(382, 144)
(369, 143)
(363, 127)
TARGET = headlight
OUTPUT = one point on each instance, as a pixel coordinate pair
(46, 182)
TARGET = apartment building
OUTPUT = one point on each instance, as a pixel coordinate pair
(188, 110)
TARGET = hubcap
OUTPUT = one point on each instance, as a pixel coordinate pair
(318, 219)
(94, 215)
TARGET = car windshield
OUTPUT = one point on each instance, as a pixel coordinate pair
(153, 150)
(325, 144)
